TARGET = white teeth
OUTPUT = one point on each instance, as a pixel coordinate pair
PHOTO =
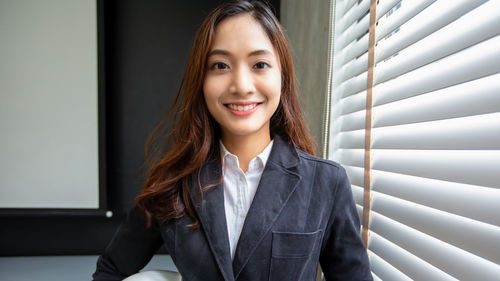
(241, 107)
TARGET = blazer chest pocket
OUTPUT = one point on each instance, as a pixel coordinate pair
(293, 255)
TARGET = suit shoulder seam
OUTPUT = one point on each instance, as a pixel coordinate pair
(309, 157)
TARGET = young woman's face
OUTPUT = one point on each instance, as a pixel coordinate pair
(242, 85)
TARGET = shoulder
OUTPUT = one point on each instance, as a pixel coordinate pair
(309, 159)
(327, 179)
(321, 172)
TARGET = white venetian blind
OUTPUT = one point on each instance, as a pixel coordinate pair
(434, 164)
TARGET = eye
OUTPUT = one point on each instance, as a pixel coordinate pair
(261, 65)
(219, 65)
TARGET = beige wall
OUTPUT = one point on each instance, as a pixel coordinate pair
(306, 24)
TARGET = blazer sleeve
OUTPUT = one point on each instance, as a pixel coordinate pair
(132, 247)
(344, 255)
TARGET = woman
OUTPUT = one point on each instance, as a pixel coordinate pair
(238, 195)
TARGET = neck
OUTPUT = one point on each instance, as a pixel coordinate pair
(246, 147)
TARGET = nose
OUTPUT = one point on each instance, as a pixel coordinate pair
(242, 81)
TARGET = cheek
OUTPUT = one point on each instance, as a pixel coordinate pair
(276, 87)
(212, 89)
(209, 92)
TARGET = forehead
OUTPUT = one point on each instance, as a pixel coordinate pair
(241, 32)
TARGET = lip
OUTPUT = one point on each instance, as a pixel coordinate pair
(242, 113)
(243, 103)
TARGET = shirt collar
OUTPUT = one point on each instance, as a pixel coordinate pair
(263, 156)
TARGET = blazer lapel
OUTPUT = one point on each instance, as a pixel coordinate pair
(277, 183)
(209, 207)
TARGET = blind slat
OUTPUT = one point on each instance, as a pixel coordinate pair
(472, 63)
(352, 103)
(359, 209)
(355, 175)
(407, 11)
(352, 121)
(348, 22)
(344, 6)
(353, 85)
(354, 67)
(357, 193)
(473, 236)
(454, 261)
(472, 28)
(356, 30)
(352, 51)
(385, 6)
(476, 167)
(436, 16)
(351, 140)
(385, 270)
(351, 157)
(471, 201)
(471, 98)
(405, 261)
(375, 277)
(473, 132)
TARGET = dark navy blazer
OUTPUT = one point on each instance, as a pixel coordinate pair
(303, 212)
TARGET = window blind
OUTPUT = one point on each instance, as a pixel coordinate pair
(433, 134)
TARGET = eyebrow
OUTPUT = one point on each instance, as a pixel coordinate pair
(226, 53)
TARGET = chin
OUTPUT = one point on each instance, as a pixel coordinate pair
(242, 132)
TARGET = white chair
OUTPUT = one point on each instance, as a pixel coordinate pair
(155, 275)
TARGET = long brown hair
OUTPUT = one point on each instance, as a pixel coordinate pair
(195, 135)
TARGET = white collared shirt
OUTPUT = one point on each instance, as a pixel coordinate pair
(239, 189)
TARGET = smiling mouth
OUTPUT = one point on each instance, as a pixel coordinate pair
(239, 107)
(243, 108)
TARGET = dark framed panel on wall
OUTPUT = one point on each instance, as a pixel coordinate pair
(53, 111)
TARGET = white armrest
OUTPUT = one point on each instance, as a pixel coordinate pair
(155, 275)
